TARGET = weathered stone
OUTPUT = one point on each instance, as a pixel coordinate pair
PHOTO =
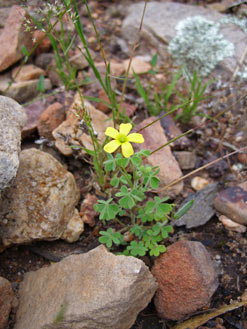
(26, 90)
(12, 119)
(231, 225)
(44, 60)
(40, 205)
(13, 37)
(87, 211)
(232, 202)
(202, 209)
(43, 40)
(76, 134)
(173, 131)
(4, 14)
(186, 160)
(50, 119)
(186, 279)
(198, 183)
(78, 60)
(138, 65)
(161, 20)
(95, 290)
(27, 72)
(169, 169)
(6, 298)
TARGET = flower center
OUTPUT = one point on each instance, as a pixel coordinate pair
(122, 138)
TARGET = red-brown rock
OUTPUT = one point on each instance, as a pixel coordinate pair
(50, 119)
(87, 211)
(27, 72)
(186, 279)
(6, 298)
(13, 37)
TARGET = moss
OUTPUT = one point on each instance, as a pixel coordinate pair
(199, 45)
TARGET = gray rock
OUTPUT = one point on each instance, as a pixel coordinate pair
(6, 298)
(159, 29)
(12, 119)
(202, 210)
(40, 205)
(92, 290)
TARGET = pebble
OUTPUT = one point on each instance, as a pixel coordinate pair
(198, 183)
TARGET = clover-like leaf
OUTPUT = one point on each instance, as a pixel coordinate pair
(137, 230)
(137, 248)
(115, 181)
(109, 237)
(154, 182)
(106, 209)
(110, 163)
(156, 249)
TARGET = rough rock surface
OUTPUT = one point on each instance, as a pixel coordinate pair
(50, 119)
(12, 119)
(70, 132)
(202, 210)
(96, 290)
(27, 72)
(169, 169)
(159, 24)
(13, 37)
(6, 297)
(186, 279)
(41, 203)
(232, 202)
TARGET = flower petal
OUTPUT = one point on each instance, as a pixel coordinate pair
(127, 150)
(125, 128)
(136, 138)
(111, 132)
(112, 146)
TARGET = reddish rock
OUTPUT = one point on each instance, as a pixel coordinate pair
(27, 72)
(102, 106)
(154, 137)
(50, 119)
(6, 298)
(232, 202)
(186, 279)
(13, 37)
(87, 211)
(129, 109)
(45, 44)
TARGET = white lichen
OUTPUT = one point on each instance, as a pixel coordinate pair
(240, 22)
(199, 45)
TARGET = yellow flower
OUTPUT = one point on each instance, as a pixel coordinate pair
(121, 138)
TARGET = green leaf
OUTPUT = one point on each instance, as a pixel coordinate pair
(154, 182)
(136, 160)
(165, 230)
(115, 181)
(110, 163)
(154, 59)
(137, 248)
(127, 202)
(107, 210)
(137, 230)
(156, 250)
(109, 237)
(181, 211)
(41, 84)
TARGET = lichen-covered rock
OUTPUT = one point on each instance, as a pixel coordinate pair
(40, 205)
(199, 43)
(12, 120)
(92, 290)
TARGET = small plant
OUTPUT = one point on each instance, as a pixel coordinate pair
(142, 220)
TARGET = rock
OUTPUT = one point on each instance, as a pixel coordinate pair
(138, 65)
(198, 183)
(50, 119)
(186, 160)
(45, 43)
(117, 69)
(173, 131)
(232, 202)
(27, 72)
(41, 203)
(44, 60)
(75, 133)
(12, 119)
(4, 14)
(128, 109)
(13, 38)
(202, 209)
(6, 298)
(77, 59)
(95, 290)
(169, 169)
(87, 211)
(186, 279)
(23, 90)
(100, 105)
(160, 27)
(231, 225)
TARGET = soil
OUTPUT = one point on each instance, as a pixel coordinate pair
(228, 248)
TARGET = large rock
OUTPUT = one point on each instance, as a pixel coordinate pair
(6, 298)
(12, 119)
(186, 279)
(41, 203)
(159, 29)
(13, 37)
(232, 202)
(95, 290)
(154, 137)
(73, 131)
